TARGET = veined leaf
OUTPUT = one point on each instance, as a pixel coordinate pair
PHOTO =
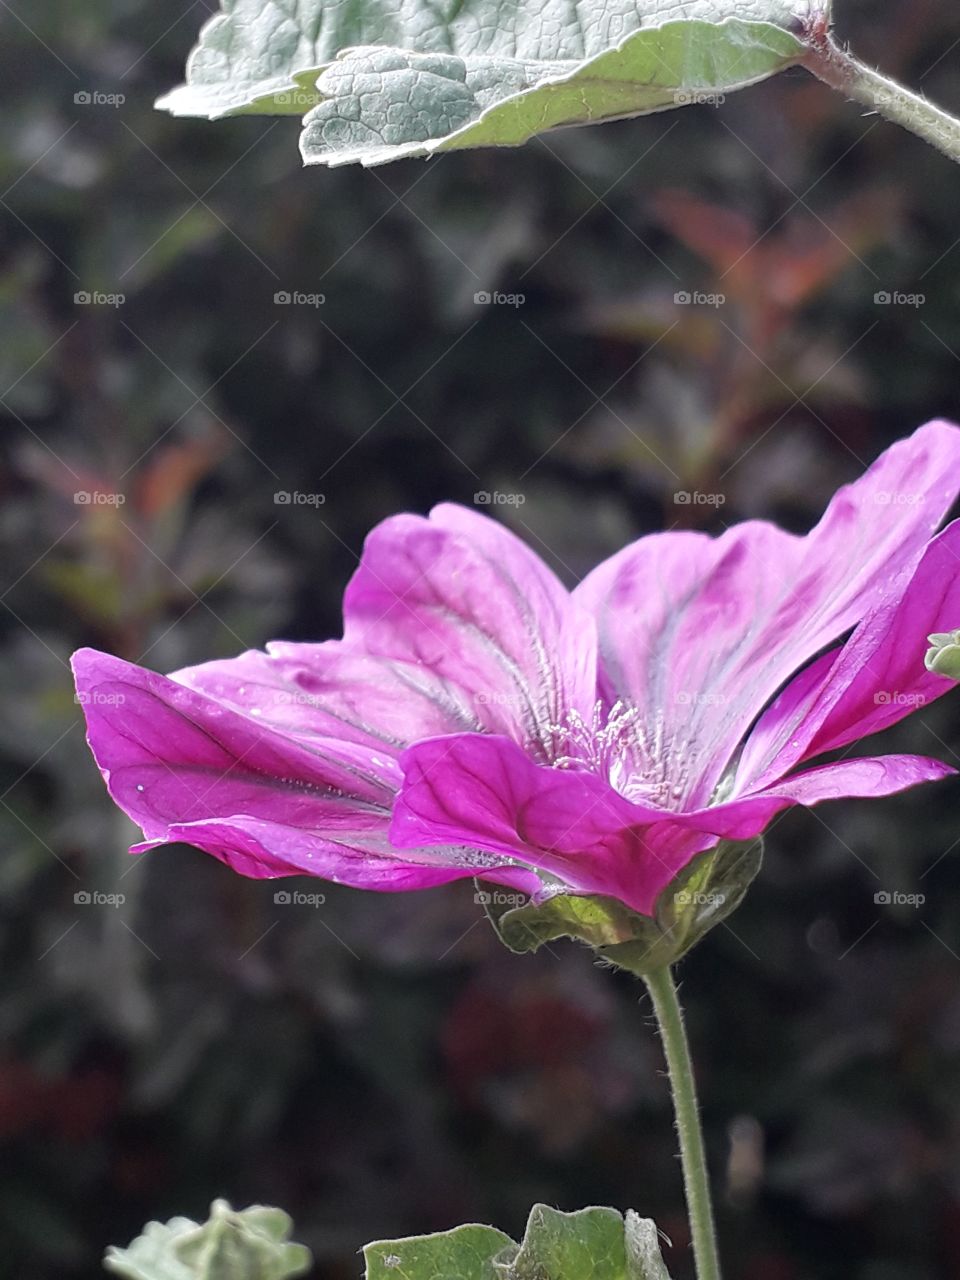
(597, 1243)
(377, 80)
(466, 1252)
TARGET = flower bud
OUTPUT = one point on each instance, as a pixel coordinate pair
(944, 658)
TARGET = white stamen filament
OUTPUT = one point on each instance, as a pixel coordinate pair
(626, 747)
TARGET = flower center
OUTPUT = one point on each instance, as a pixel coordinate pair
(626, 747)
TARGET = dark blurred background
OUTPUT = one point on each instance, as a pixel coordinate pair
(377, 1065)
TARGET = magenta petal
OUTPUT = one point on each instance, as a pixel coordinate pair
(313, 691)
(171, 755)
(744, 818)
(700, 633)
(571, 825)
(263, 850)
(462, 597)
(783, 727)
(876, 679)
(185, 767)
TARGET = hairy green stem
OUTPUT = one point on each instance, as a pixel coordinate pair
(695, 1178)
(837, 67)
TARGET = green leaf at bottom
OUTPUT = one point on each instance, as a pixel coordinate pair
(590, 1244)
(561, 1246)
(465, 1253)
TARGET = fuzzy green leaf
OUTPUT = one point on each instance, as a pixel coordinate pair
(563, 1246)
(596, 1243)
(380, 79)
(465, 1253)
(251, 1244)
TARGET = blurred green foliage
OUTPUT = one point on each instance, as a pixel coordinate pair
(377, 1065)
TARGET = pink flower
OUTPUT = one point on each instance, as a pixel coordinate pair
(477, 719)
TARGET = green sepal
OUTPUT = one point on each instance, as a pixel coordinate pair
(598, 1243)
(701, 896)
(248, 1244)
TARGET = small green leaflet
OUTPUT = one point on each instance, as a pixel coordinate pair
(378, 80)
(247, 1244)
